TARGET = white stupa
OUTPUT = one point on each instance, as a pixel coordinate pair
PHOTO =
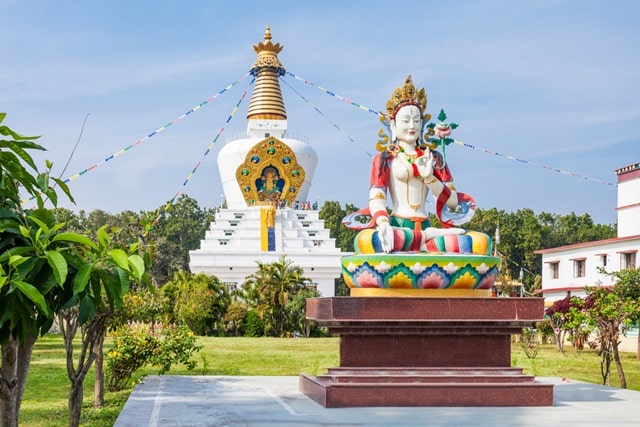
(266, 178)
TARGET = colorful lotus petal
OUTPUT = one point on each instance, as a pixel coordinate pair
(400, 281)
(433, 280)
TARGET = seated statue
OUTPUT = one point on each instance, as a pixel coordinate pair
(406, 171)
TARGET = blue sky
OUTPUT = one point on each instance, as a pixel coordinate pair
(551, 83)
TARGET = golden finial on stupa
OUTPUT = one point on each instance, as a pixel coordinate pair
(267, 47)
(266, 100)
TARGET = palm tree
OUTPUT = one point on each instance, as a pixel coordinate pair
(277, 283)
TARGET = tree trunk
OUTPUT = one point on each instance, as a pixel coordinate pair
(75, 402)
(560, 335)
(638, 345)
(93, 332)
(98, 388)
(25, 350)
(616, 359)
(16, 358)
(9, 384)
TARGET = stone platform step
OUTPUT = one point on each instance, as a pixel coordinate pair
(422, 370)
(371, 387)
(425, 375)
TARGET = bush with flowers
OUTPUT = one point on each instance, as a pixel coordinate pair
(137, 346)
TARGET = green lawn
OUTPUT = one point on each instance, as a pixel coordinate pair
(45, 399)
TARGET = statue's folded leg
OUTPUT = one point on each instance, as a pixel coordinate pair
(407, 240)
(404, 240)
(471, 242)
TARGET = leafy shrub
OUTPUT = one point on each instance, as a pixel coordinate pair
(136, 347)
(545, 329)
(200, 302)
(253, 324)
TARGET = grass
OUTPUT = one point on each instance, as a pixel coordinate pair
(575, 365)
(45, 399)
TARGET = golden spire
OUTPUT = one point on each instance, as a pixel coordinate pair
(266, 100)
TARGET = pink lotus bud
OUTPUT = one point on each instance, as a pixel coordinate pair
(442, 130)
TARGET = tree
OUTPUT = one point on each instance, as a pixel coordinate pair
(32, 265)
(277, 283)
(146, 305)
(628, 286)
(297, 309)
(558, 317)
(102, 275)
(332, 214)
(73, 222)
(522, 232)
(44, 270)
(200, 302)
(177, 229)
(614, 310)
(234, 317)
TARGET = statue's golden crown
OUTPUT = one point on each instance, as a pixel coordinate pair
(406, 95)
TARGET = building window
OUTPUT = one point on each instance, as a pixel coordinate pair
(312, 286)
(628, 260)
(578, 268)
(553, 269)
(603, 260)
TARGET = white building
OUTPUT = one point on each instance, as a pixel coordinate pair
(266, 177)
(571, 268)
(568, 269)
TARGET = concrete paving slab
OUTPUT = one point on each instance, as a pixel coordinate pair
(227, 401)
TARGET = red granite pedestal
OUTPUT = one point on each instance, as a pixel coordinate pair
(405, 351)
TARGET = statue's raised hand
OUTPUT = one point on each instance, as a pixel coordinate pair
(425, 165)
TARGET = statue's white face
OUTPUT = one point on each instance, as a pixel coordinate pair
(407, 125)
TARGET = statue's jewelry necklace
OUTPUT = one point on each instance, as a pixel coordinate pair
(411, 160)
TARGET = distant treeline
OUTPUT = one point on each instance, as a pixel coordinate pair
(175, 231)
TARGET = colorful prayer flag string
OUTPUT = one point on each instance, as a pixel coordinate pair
(564, 172)
(152, 134)
(168, 205)
(341, 98)
(325, 117)
(370, 110)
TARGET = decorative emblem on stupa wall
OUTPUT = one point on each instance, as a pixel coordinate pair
(270, 174)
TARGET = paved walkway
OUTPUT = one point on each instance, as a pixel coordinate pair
(225, 401)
